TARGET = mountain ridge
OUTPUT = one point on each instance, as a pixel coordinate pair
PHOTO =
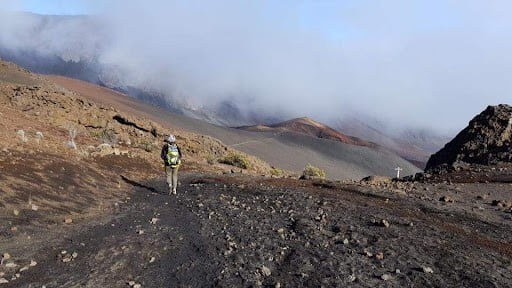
(308, 126)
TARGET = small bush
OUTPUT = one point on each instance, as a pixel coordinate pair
(210, 159)
(275, 171)
(72, 135)
(236, 160)
(312, 171)
(147, 146)
(108, 136)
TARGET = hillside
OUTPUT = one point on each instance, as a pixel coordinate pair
(310, 127)
(413, 145)
(110, 146)
(284, 149)
(486, 140)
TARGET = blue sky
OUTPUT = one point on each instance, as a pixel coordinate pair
(55, 7)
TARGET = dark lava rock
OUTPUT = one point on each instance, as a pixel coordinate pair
(486, 141)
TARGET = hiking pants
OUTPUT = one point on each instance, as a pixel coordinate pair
(172, 177)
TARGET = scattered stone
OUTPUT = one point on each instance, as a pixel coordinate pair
(152, 259)
(24, 268)
(67, 258)
(137, 286)
(32, 263)
(74, 255)
(3, 281)
(154, 220)
(384, 223)
(386, 277)
(16, 212)
(68, 221)
(502, 203)
(6, 256)
(11, 265)
(379, 256)
(376, 180)
(265, 271)
(34, 207)
(427, 269)
(446, 199)
(131, 283)
(140, 232)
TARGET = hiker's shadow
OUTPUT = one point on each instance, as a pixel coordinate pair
(139, 185)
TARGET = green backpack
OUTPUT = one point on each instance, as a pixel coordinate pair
(173, 155)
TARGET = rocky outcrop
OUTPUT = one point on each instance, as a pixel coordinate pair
(487, 140)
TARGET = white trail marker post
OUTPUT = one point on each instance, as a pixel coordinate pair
(398, 169)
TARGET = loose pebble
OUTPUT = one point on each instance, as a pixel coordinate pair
(427, 269)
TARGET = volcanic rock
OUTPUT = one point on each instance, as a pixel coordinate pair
(485, 141)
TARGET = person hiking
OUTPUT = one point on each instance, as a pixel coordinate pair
(171, 154)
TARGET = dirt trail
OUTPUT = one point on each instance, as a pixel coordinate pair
(120, 248)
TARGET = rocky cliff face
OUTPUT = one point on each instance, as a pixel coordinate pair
(487, 140)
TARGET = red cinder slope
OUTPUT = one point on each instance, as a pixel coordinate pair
(309, 127)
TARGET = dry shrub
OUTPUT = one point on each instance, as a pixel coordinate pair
(237, 160)
(276, 171)
(311, 171)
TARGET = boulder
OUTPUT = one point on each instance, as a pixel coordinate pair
(376, 180)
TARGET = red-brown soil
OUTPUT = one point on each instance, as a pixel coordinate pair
(309, 127)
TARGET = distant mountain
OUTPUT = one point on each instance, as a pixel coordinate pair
(309, 127)
(415, 145)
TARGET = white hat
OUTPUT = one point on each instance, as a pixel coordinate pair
(171, 139)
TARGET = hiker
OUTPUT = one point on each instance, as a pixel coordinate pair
(171, 154)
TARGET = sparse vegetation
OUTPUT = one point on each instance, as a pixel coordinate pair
(72, 135)
(210, 159)
(312, 171)
(276, 171)
(108, 135)
(147, 146)
(23, 137)
(237, 160)
(39, 136)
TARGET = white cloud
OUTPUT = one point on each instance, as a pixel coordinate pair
(418, 63)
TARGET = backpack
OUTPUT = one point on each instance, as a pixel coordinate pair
(173, 155)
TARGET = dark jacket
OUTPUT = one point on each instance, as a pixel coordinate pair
(163, 154)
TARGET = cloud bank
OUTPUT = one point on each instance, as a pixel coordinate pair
(432, 64)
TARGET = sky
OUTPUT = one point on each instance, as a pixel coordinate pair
(53, 7)
(432, 64)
